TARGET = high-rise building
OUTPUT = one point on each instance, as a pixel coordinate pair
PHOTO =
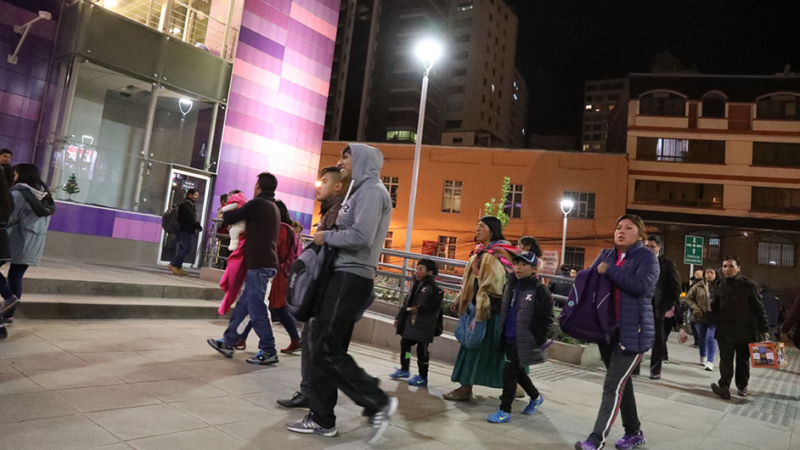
(519, 113)
(481, 75)
(599, 99)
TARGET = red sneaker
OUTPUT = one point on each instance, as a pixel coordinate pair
(293, 346)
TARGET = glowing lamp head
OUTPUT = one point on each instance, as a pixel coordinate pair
(566, 206)
(429, 51)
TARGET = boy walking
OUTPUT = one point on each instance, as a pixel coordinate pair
(526, 317)
(418, 321)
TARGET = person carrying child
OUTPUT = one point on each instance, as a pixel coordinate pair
(526, 317)
(419, 320)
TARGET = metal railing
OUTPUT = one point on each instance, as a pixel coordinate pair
(197, 22)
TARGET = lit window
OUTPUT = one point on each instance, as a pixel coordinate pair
(401, 135)
(492, 87)
(515, 97)
(451, 201)
(588, 107)
(464, 7)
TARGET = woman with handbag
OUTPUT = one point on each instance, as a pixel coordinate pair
(699, 302)
(27, 231)
(479, 360)
(633, 272)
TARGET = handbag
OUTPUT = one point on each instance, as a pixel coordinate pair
(470, 338)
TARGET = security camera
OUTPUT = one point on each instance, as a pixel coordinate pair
(45, 15)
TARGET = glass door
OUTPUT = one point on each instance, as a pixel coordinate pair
(181, 180)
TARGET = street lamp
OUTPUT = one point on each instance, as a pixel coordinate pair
(566, 208)
(427, 51)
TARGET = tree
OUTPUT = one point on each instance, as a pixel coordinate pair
(497, 209)
(71, 187)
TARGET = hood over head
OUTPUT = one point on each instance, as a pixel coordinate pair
(367, 163)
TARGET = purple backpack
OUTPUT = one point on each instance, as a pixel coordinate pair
(589, 314)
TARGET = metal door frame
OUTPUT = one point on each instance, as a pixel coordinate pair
(174, 168)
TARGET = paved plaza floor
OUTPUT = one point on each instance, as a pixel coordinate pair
(152, 385)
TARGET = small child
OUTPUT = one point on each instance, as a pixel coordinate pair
(419, 320)
(526, 317)
(235, 200)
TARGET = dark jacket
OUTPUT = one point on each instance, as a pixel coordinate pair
(738, 311)
(699, 301)
(668, 287)
(636, 281)
(427, 297)
(329, 210)
(560, 287)
(8, 173)
(792, 317)
(773, 307)
(534, 317)
(263, 221)
(187, 217)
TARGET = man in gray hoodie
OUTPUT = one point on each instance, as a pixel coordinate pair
(361, 231)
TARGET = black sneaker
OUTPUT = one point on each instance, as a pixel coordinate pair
(380, 421)
(298, 400)
(744, 392)
(263, 359)
(5, 305)
(308, 426)
(219, 345)
(723, 393)
(3, 332)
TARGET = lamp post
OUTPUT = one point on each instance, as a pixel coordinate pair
(566, 208)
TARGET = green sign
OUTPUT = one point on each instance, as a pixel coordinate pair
(693, 250)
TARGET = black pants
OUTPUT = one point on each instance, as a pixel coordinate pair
(727, 354)
(659, 352)
(332, 368)
(617, 392)
(513, 374)
(423, 356)
(12, 287)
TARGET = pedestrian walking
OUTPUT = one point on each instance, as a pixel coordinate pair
(330, 194)
(27, 232)
(699, 302)
(526, 317)
(633, 271)
(665, 300)
(362, 227)
(418, 321)
(187, 219)
(261, 259)
(482, 287)
(287, 254)
(6, 207)
(791, 325)
(772, 304)
(741, 319)
(5, 164)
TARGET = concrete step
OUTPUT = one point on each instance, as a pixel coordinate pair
(76, 287)
(74, 307)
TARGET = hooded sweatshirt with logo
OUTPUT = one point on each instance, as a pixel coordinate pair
(364, 216)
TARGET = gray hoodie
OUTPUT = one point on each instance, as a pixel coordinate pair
(364, 217)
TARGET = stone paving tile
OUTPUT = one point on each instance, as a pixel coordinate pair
(59, 433)
(171, 391)
(16, 383)
(145, 421)
(36, 405)
(146, 372)
(107, 397)
(74, 378)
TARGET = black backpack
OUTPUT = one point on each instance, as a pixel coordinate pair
(169, 220)
(307, 280)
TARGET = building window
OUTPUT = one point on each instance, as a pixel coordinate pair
(462, 23)
(711, 249)
(513, 206)
(446, 248)
(461, 55)
(451, 124)
(662, 104)
(714, 105)
(392, 185)
(458, 140)
(451, 200)
(584, 204)
(459, 72)
(779, 107)
(462, 39)
(780, 200)
(457, 106)
(466, 6)
(680, 150)
(776, 154)
(668, 193)
(387, 243)
(776, 254)
(459, 89)
(575, 257)
(401, 135)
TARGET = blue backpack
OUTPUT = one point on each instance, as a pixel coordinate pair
(470, 339)
(589, 314)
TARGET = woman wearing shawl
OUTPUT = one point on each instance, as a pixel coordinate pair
(482, 286)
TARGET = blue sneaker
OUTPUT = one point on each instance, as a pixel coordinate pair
(399, 373)
(418, 381)
(535, 403)
(499, 416)
(630, 441)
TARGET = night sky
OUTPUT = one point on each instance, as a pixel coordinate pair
(561, 44)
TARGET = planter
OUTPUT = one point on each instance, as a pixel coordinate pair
(578, 354)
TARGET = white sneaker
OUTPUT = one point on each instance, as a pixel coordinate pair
(709, 366)
(703, 360)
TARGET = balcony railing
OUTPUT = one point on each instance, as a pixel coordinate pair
(201, 23)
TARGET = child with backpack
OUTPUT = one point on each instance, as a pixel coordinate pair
(526, 318)
(419, 320)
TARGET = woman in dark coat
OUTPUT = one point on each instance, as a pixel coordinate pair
(633, 271)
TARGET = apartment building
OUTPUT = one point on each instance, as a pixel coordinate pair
(599, 99)
(479, 101)
(456, 182)
(716, 156)
(518, 136)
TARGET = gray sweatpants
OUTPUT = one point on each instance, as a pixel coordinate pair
(617, 393)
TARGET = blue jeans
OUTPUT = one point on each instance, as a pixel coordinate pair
(708, 345)
(13, 285)
(284, 317)
(252, 303)
(184, 248)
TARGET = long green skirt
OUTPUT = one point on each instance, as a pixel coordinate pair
(482, 366)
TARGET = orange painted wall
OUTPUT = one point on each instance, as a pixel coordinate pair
(545, 176)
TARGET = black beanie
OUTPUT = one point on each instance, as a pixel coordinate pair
(495, 226)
